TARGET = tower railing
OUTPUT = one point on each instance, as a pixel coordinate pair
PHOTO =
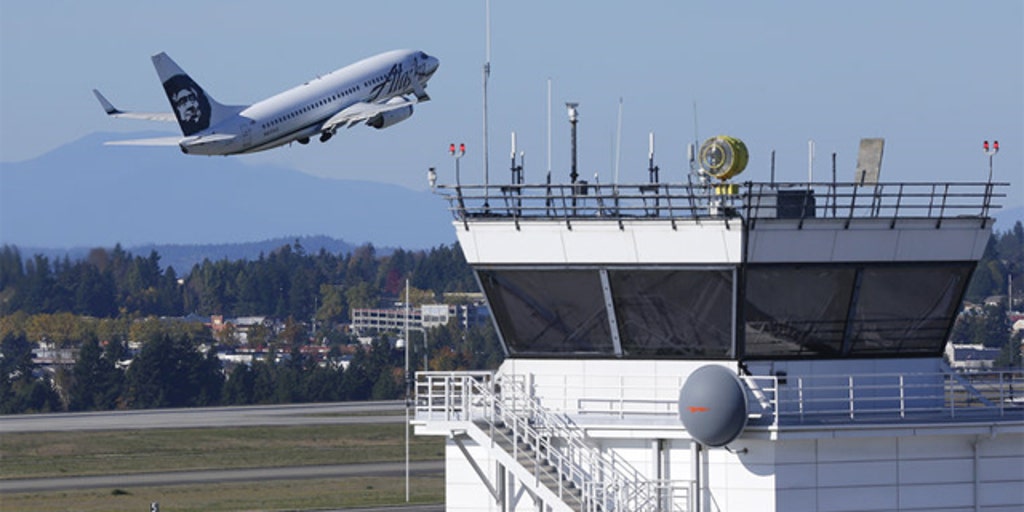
(786, 401)
(749, 200)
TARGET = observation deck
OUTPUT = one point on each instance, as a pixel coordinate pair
(751, 271)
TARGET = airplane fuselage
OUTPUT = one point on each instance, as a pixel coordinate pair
(300, 113)
(372, 91)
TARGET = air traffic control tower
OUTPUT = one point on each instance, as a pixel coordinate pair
(714, 345)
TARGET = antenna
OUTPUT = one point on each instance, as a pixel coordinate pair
(549, 126)
(573, 119)
(652, 169)
(810, 162)
(618, 142)
(487, 74)
(696, 137)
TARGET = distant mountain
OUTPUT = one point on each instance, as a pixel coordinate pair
(1007, 217)
(183, 257)
(85, 194)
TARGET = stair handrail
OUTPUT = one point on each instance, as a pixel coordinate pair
(610, 475)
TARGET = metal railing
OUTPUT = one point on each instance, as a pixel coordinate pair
(796, 400)
(503, 406)
(748, 200)
(889, 397)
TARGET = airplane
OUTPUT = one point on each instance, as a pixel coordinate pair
(378, 91)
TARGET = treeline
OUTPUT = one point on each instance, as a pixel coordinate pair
(101, 303)
(1003, 258)
(285, 283)
(178, 366)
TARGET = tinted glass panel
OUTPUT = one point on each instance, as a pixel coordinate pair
(545, 312)
(797, 311)
(906, 309)
(685, 313)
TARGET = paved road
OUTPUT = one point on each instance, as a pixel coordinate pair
(220, 476)
(206, 417)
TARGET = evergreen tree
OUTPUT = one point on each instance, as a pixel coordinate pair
(170, 372)
(238, 389)
(20, 389)
(96, 381)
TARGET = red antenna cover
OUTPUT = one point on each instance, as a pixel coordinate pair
(995, 145)
(986, 145)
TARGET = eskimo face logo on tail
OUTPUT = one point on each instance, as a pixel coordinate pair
(190, 104)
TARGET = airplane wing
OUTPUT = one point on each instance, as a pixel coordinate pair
(197, 140)
(149, 116)
(363, 111)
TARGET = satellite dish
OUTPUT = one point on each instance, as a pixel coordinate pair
(713, 405)
(723, 157)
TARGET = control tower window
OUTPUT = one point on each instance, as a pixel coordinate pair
(906, 309)
(797, 311)
(683, 313)
(549, 311)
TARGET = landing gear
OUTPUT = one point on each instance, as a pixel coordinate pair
(304, 140)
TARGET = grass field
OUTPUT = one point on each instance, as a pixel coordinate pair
(60, 454)
(262, 496)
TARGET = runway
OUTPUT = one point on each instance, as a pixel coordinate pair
(335, 413)
(396, 469)
(213, 417)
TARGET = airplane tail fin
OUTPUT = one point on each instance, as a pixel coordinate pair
(193, 107)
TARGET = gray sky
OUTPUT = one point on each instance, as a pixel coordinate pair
(934, 78)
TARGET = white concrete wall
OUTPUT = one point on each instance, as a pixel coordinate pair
(600, 242)
(827, 240)
(465, 492)
(888, 473)
(569, 385)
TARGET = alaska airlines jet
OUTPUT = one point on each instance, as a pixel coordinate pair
(374, 91)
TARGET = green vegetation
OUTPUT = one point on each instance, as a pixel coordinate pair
(64, 454)
(1004, 257)
(100, 304)
(287, 283)
(55, 454)
(251, 496)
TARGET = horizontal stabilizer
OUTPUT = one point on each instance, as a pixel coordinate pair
(156, 141)
(114, 112)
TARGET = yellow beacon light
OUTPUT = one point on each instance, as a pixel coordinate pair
(723, 157)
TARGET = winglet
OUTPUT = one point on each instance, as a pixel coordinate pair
(107, 106)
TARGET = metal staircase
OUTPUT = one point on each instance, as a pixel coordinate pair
(545, 451)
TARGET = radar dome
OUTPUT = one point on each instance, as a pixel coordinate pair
(713, 405)
(723, 157)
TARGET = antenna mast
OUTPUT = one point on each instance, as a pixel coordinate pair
(549, 126)
(618, 142)
(487, 73)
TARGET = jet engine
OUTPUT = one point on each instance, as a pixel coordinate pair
(391, 117)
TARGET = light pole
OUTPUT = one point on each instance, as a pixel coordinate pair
(573, 119)
(458, 156)
(458, 183)
(991, 152)
(424, 332)
(408, 390)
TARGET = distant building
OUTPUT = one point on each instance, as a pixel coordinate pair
(426, 316)
(970, 357)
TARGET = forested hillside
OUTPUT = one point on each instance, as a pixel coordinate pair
(99, 304)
